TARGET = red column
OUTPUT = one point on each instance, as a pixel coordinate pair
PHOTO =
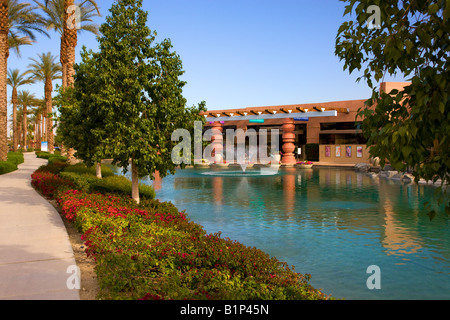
(288, 142)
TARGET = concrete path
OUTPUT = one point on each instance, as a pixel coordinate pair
(35, 251)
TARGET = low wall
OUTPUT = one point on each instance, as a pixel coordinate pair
(344, 153)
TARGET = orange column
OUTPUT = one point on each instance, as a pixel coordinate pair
(288, 142)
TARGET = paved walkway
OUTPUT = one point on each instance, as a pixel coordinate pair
(35, 251)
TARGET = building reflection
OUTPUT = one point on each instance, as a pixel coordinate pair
(289, 190)
(217, 190)
(398, 239)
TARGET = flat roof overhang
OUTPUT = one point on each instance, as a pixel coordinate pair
(264, 116)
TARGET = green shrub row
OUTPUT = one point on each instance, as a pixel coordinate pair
(15, 157)
(110, 184)
(10, 165)
(81, 168)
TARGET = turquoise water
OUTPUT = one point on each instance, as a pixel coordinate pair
(330, 223)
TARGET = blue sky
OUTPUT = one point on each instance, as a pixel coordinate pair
(243, 53)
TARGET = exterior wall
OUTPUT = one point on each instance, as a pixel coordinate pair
(344, 159)
(389, 86)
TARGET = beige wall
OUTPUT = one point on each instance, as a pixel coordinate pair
(343, 158)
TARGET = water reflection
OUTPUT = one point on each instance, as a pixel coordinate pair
(344, 199)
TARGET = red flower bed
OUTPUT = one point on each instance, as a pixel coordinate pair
(48, 183)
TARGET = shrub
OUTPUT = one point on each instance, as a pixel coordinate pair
(82, 182)
(56, 158)
(121, 185)
(7, 167)
(44, 154)
(15, 157)
(55, 167)
(81, 168)
(13, 160)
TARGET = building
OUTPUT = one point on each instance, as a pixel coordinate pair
(327, 132)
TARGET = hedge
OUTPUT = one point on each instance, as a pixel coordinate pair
(81, 168)
(12, 162)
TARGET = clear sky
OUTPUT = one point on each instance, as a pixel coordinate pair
(241, 53)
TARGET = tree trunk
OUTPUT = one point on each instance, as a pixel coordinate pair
(70, 35)
(63, 60)
(38, 130)
(4, 53)
(14, 103)
(134, 182)
(25, 128)
(98, 170)
(49, 102)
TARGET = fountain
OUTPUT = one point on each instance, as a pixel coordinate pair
(245, 164)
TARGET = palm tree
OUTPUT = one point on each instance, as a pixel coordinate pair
(16, 80)
(25, 99)
(46, 70)
(59, 18)
(18, 23)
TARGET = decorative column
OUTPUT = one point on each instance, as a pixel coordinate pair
(288, 142)
(217, 142)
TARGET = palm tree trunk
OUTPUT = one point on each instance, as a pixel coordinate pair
(25, 128)
(15, 135)
(48, 100)
(38, 130)
(4, 53)
(70, 36)
(63, 60)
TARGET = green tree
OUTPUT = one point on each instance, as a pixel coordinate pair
(46, 69)
(409, 127)
(77, 109)
(137, 101)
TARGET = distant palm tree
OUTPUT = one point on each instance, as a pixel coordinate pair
(58, 18)
(25, 99)
(46, 70)
(39, 112)
(18, 22)
(16, 80)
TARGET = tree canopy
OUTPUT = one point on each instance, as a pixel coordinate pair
(409, 128)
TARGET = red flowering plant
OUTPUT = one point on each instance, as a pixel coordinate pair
(48, 183)
(305, 162)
